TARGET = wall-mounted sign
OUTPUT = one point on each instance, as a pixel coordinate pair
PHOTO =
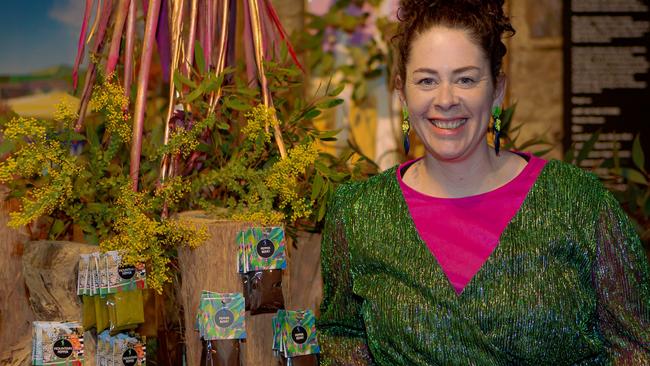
(606, 76)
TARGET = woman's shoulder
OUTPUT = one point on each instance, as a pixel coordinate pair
(379, 184)
(560, 176)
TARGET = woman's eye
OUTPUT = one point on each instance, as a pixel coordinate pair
(466, 81)
(426, 82)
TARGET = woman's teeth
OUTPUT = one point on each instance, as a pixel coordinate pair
(448, 124)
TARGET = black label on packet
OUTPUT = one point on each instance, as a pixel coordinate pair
(299, 335)
(265, 248)
(224, 318)
(62, 348)
(126, 272)
(129, 357)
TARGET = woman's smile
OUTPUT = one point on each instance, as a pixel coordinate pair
(448, 126)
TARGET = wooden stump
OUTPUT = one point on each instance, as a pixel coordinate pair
(302, 280)
(15, 314)
(50, 271)
(213, 267)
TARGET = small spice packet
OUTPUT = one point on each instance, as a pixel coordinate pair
(278, 321)
(121, 349)
(129, 350)
(125, 310)
(261, 258)
(122, 277)
(83, 275)
(221, 316)
(95, 281)
(84, 289)
(57, 343)
(294, 333)
(261, 248)
(103, 348)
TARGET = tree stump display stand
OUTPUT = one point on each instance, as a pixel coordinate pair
(213, 267)
(50, 272)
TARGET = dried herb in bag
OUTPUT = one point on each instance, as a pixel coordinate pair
(124, 284)
(265, 291)
(261, 259)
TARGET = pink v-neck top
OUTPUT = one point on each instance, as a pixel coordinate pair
(461, 233)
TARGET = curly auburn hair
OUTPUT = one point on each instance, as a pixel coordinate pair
(484, 20)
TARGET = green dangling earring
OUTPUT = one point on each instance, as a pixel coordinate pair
(406, 128)
(496, 116)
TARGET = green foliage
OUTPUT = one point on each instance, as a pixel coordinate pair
(364, 60)
(81, 179)
(230, 152)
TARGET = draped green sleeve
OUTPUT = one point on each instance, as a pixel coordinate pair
(341, 328)
(622, 281)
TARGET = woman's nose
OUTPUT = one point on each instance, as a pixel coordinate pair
(446, 97)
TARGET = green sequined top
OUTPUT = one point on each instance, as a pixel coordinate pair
(568, 284)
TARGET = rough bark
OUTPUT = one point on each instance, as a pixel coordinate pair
(213, 267)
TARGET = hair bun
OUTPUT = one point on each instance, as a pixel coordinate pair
(485, 21)
(410, 8)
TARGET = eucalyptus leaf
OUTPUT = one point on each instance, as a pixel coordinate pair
(329, 103)
(195, 93)
(336, 91)
(587, 147)
(311, 114)
(198, 57)
(180, 79)
(634, 175)
(6, 146)
(317, 185)
(235, 104)
(637, 154)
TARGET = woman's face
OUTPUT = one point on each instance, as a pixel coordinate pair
(449, 93)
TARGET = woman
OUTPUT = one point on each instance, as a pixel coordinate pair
(469, 256)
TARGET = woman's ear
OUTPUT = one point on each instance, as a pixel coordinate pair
(399, 89)
(500, 90)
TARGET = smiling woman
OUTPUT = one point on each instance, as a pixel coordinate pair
(469, 256)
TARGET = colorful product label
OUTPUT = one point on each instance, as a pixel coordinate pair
(57, 343)
(294, 333)
(221, 316)
(261, 248)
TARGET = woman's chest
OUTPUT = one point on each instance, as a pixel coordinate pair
(532, 295)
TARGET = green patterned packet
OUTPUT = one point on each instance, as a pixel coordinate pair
(299, 333)
(278, 322)
(265, 248)
(221, 316)
(57, 343)
(242, 265)
(204, 311)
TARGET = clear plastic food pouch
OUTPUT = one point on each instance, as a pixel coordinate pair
(221, 352)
